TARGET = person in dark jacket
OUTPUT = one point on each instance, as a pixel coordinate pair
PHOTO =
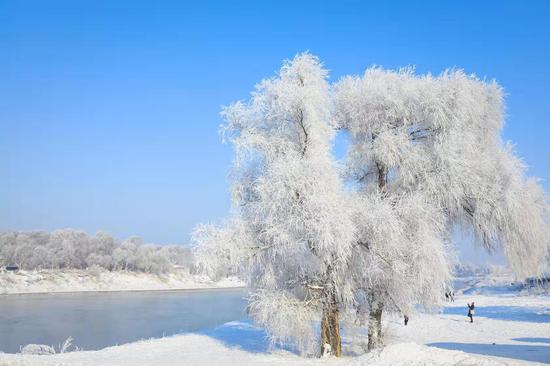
(471, 311)
(406, 319)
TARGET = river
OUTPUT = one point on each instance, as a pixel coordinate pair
(101, 319)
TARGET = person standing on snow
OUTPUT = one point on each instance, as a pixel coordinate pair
(471, 312)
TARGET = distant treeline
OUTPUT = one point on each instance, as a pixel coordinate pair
(76, 249)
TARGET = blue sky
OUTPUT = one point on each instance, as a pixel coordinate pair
(109, 111)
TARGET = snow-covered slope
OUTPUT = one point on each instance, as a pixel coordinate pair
(81, 280)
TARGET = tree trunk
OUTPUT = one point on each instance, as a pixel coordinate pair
(375, 328)
(375, 307)
(330, 331)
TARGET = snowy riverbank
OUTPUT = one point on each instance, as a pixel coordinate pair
(48, 281)
(429, 339)
(202, 350)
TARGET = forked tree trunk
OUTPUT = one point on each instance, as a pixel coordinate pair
(375, 328)
(330, 331)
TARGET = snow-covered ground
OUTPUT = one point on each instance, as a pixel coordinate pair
(201, 350)
(436, 339)
(242, 344)
(25, 282)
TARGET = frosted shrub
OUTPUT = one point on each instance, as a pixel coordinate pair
(42, 349)
(66, 346)
(37, 349)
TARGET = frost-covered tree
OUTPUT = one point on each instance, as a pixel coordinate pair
(426, 154)
(68, 248)
(221, 250)
(293, 231)
(101, 248)
(125, 255)
(179, 256)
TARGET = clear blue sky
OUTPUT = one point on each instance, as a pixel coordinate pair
(109, 110)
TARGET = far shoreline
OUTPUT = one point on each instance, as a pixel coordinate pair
(192, 289)
(84, 281)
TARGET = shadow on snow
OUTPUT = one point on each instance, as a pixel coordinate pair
(513, 313)
(533, 353)
(531, 339)
(244, 335)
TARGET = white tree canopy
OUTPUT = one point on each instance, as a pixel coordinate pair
(440, 137)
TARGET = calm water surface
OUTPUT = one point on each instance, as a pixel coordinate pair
(102, 319)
